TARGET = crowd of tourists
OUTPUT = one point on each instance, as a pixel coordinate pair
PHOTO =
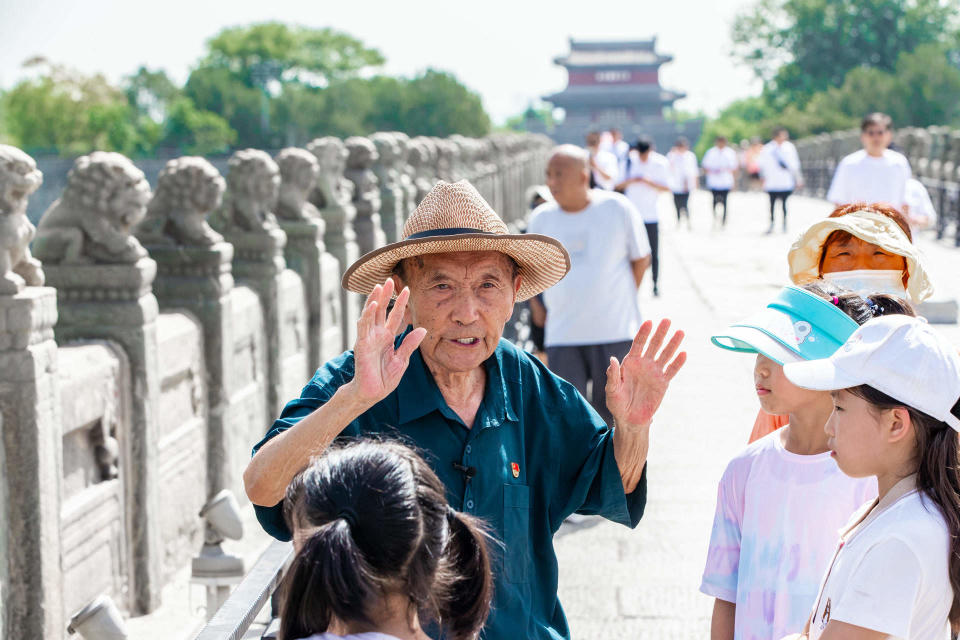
(423, 474)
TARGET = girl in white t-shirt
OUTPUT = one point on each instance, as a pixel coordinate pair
(896, 570)
(379, 551)
(782, 499)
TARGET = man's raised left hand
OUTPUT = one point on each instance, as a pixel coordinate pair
(635, 388)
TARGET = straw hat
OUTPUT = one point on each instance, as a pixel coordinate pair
(455, 217)
(869, 226)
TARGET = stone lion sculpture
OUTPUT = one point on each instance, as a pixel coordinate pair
(333, 190)
(299, 171)
(105, 198)
(363, 153)
(19, 178)
(188, 189)
(253, 186)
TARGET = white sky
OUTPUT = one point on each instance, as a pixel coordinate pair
(503, 49)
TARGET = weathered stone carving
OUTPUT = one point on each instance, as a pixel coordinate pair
(253, 182)
(366, 198)
(423, 160)
(407, 174)
(106, 196)
(19, 178)
(392, 194)
(299, 170)
(188, 189)
(333, 195)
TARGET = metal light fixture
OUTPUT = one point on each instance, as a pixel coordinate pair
(99, 620)
(213, 568)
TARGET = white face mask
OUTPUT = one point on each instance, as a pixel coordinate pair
(869, 281)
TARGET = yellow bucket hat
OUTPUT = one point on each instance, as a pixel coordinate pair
(869, 226)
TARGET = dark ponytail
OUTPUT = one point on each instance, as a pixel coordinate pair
(857, 307)
(328, 577)
(938, 477)
(374, 521)
(464, 602)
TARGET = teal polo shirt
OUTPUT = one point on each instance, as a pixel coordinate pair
(540, 453)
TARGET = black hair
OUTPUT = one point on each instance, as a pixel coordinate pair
(778, 130)
(681, 142)
(876, 119)
(858, 307)
(374, 521)
(643, 144)
(938, 475)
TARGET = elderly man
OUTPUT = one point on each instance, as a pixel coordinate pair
(514, 444)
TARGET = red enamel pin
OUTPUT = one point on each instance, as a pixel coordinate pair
(515, 468)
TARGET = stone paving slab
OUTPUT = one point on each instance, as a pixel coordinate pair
(649, 588)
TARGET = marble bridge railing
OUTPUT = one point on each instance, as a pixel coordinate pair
(149, 336)
(933, 152)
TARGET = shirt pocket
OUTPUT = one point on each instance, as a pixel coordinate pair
(516, 532)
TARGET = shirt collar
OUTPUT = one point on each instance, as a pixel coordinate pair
(878, 506)
(418, 393)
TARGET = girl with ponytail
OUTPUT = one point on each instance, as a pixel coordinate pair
(896, 572)
(379, 552)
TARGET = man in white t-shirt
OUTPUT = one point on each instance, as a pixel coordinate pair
(875, 173)
(720, 164)
(604, 167)
(683, 176)
(593, 313)
(620, 148)
(646, 176)
(779, 166)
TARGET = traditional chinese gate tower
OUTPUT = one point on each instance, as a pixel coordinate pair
(617, 84)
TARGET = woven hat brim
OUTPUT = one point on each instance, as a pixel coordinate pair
(543, 260)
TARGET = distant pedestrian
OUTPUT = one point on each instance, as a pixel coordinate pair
(720, 165)
(782, 499)
(593, 313)
(620, 148)
(920, 212)
(896, 569)
(780, 170)
(604, 168)
(380, 553)
(750, 161)
(647, 175)
(683, 177)
(876, 173)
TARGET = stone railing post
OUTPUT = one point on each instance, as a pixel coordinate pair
(393, 197)
(333, 196)
(247, 221)
(366, 195)
(306, 253)
(194, 272)
(104, 283)
(30, 439)
(408, 176)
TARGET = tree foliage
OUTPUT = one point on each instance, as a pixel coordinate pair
(265, 85)
(827, 63)
(801, 47)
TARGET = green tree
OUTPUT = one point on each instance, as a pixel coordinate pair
(439, 105)
(196, 132)
(800, 47)
(63, 111)
(249, 70)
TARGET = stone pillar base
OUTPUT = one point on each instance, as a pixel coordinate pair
(31, 479)
(115, 302)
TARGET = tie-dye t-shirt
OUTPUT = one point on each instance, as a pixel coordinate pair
(774, 532)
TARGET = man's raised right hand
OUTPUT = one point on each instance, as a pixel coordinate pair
(378, 366)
